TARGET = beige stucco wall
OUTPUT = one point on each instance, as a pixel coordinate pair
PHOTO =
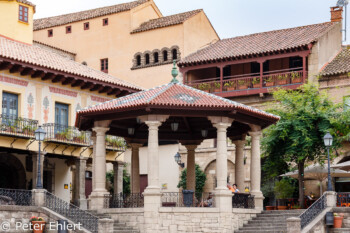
(11, 27)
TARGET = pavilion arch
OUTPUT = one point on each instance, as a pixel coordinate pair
(13, 171)
(210, 183)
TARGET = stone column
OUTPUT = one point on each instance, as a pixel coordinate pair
(239, 164)
(293, 225)
(98, 194)
(35, 159)
(80, 168)
(191, 167)
(118, 168)
(93, 138)
(135, 167)
(255, 169)
(223, 196)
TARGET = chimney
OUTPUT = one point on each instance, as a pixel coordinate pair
(336, 14)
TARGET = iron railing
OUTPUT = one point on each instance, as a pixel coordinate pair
(16, 197)
(313, 211)
(72, 212)
(17, 126)
(343, 199)
(121, 200)
(243, 200)
(178, 199)
(66, 134)
(115, 143)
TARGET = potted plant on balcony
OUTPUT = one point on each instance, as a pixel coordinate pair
(230, 86)
(38, 224)
(269, 82)
(338, 220)
(296, 78)
(242, 84)
(63, 135)
(204, 87)
(282, 79)
(256, 82)
(79, 139)
(217, 87)
(28, 130)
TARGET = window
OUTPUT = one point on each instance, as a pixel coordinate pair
(165, 55)
(68, 29)
(174, 54)
(295, 62)
(147, 58)
(50, 33)
(23, 14)
(86, 26)
(104, 65)
(105, 22)
(346, 103)
(10, 105)
(61, 116)
(138, 60)
(156, 57)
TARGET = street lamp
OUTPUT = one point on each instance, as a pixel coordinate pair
(39, 136)
(328, 141)
(178, 160)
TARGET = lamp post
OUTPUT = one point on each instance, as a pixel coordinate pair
(178, 160)
(39, 136)
(328, 140)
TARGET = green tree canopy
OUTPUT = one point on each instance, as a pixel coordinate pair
(200, 179)
(306, 115)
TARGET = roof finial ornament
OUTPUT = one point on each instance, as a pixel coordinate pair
(174, 73)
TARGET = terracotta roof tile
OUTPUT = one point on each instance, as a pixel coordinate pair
(339, 65)
(259, 43)
(172, 95)
(166, 21)
(38, 56)
(84, 15)
(26, 2)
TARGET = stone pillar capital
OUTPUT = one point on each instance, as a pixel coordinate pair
(82, 159)
(255, 128)
(255, 133)
(218, 120)
(191, 147)
(239, 143)
(222, 126)
(161, 118)
(153, 124)
(100, 131)
(135, 145)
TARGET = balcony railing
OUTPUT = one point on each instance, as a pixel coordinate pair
(17, 126)
(179, 199)
(115, 143)
(250, 83)
(243, 200)
(66, 134)
(121, 200)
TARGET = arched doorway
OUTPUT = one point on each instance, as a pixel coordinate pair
(12, 172)
(210, 172)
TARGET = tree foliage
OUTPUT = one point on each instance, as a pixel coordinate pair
(200, 179)
(306, 116)
(126, 181)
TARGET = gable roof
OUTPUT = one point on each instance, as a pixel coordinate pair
(38, 56)
(339, 65)
(84, 15)
(259, 43)
(166, 21)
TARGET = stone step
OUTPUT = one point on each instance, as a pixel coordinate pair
(280, 218)
(339, 230)
(270, 228)
(125, 231)
(282, 211)
(261, 231)
(263, 224)
(278, 215)
(123, 228)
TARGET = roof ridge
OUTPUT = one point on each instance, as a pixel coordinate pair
(185, 12)
(66, 51)
(163, 89)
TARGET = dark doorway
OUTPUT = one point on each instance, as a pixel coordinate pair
(8, 177)
(47, 181)
(12, 172)
(88, 183)
(143, 183)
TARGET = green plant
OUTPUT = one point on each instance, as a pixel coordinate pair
(256, 80)
(295, 75)
(282, 77)
(204, 86)
(34, 219)
(126, 181)
(200, 179)
(242, 82)
(283, 189)
(229, 84)
(269, 80)
(217, 85)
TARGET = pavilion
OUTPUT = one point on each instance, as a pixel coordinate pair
(175, 112)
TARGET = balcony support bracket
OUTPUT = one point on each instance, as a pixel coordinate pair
(47, 144)
(74, 149)
(31, 141)
(15, 139)
(65, 149)
(81, 153)
(53, 151)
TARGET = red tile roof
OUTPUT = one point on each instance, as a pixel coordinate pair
(166, 21)
(84, 15)
(35, 55)
(172, 95)
(339, 65)
(26, 2)
(259, 43)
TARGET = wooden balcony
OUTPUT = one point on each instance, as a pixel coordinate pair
(251, 84)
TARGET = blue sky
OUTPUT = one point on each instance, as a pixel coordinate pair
(229, 17)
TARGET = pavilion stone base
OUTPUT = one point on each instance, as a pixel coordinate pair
(258, 200)
(181, 219)
(97, 200)
(223, 200)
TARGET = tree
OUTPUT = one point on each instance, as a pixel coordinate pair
(126, 181)
(306, 115)
(200, 179)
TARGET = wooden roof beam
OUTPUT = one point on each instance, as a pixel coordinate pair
(27, 71)
(16, 69)
(6, 66)
(57, 79)
(48, 76)
(68, 81)
(38, 74)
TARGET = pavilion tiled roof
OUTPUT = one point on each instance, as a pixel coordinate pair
(84, 15)
(259, 43)
(166, 21)
(173, 95)
(339, 65)
(35, 55)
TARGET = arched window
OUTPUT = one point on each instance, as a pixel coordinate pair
(147, 58)
(156, 57)
(138, 60)
(174, 51)
(165, 55)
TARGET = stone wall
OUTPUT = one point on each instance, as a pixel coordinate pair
(173, 220)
